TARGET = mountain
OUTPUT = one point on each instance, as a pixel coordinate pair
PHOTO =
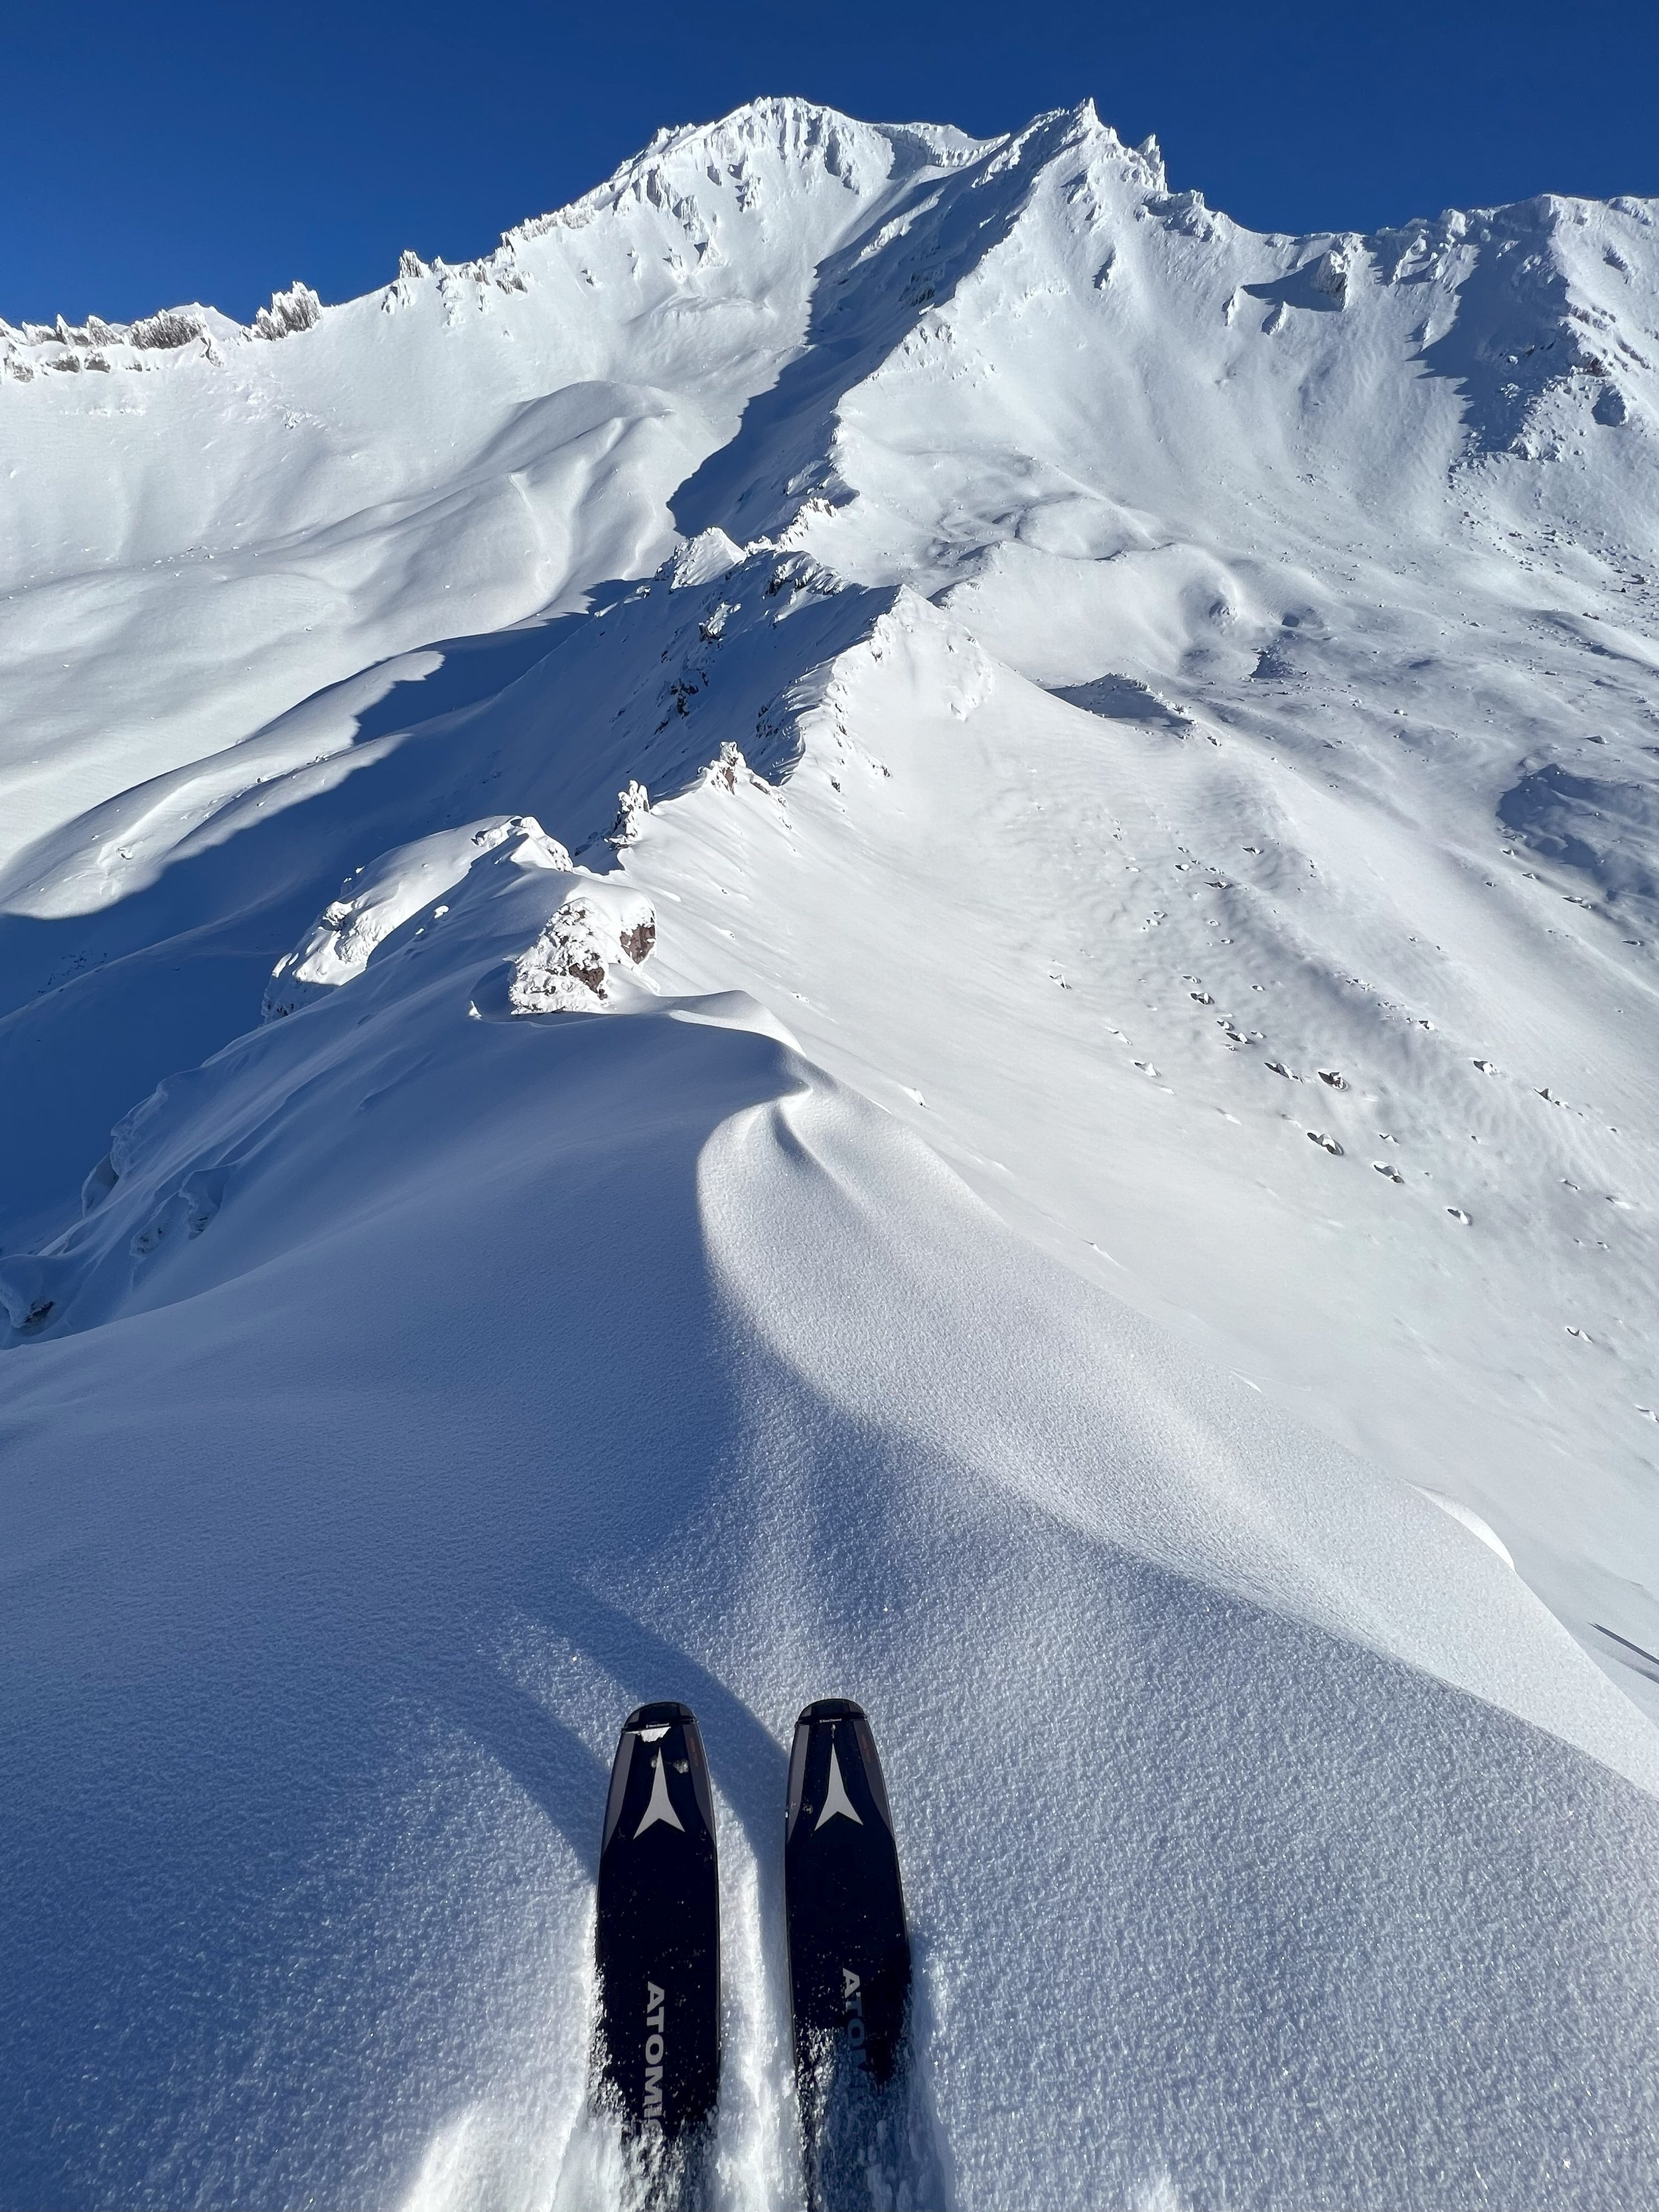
(879, 923)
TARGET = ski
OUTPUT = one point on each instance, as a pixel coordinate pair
(656, 2043)
(849, 1954)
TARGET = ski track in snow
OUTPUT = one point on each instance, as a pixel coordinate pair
(880, 922)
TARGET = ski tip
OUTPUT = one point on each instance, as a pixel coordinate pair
(667, 1712)
(835, 1751)
(830, 1709)
(664, 1731)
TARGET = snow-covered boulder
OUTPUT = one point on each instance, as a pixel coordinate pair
(597, 938)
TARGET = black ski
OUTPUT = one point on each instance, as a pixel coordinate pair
(849, 1954)
(657, 2048)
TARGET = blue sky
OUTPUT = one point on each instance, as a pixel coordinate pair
(157, 154)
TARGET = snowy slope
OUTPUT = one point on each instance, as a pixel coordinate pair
(739, 1126)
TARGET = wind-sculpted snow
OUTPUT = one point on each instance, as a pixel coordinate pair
(878, 922)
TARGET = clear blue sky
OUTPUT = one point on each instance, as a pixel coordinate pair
(161, 153)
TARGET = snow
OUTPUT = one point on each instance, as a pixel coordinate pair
(950, 871)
